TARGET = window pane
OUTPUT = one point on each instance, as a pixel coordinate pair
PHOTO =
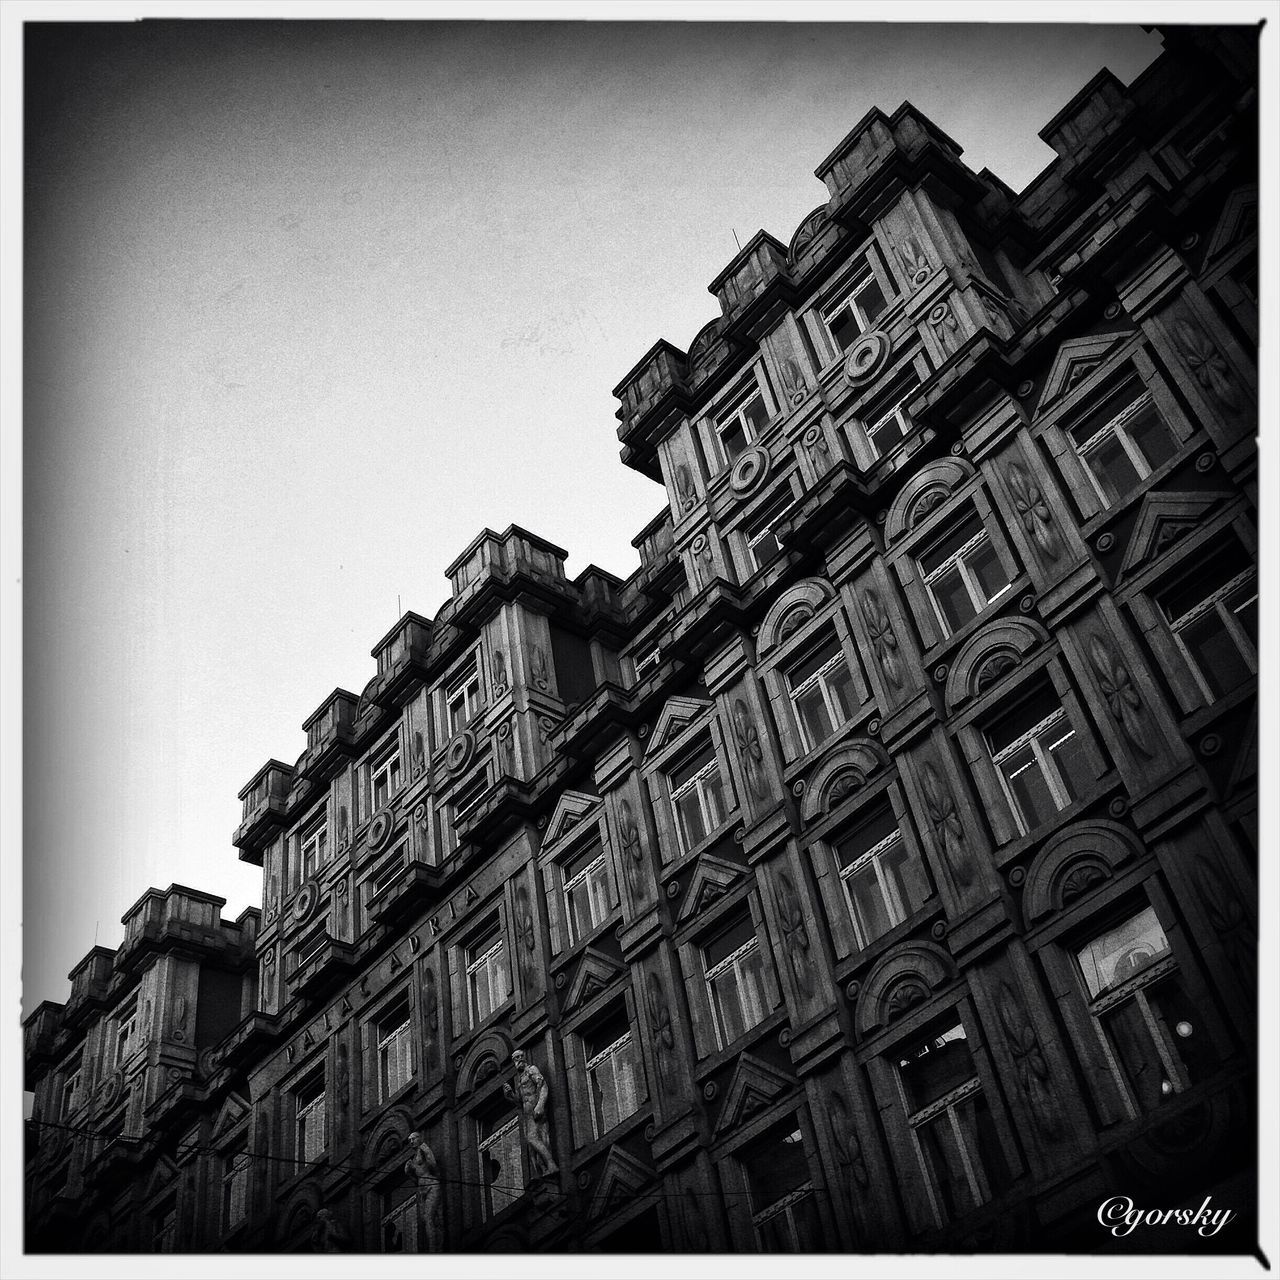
(689, 815)
(811, 711)
(734, 439)
(1183, 1028)
(775, 1167)
(713, 796)
(866, 900)
(868, 833)
(844, 328)
(946, 548)
(1111, 468)
(953, 599)
(982, 1143)
(728, 1005)
(1067, 752)
(1031, 794)
(987, 569)
(812, 663)
(754, 1004)
(1148, 432)
(936, 1065)
(1243, 603)
(579, 907)
(945, 1165)
(1215, 652)
(1139, 1060)
(764, 547)
(870, 299)
(1122, 952)
(886, 433)
(755, 414)
(840, 683)
(723, 945)
(904, 872)
(678, 777)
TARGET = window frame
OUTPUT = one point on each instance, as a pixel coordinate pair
(956, 559)
(474, 961)
(896, 908)
(463, 690)
(385, 764)
(1214, 601)
(313, 836)
(236, 1173)
(862, 274)
(1117, 428)
(734, 414)
(732, 962)
(602, 882)
(694, 785)
(125, 1029)
(403, 1033)
(610, 1052)
(1050, 770)
(784, 1204)
(504, 1122)
(822, 640)
(310, 1096)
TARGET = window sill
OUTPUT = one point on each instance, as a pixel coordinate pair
(855, 961)
(571, 952)
(707, 844)
(942, 650)
(767, 1026)
(502, 1011)
(597, 1146)
(1012, 849)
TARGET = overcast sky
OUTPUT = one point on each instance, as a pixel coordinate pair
(308, 305)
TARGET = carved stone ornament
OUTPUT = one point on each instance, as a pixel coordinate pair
(685, 488)
(344, 1078)
(1030, 1066)
(1033, 511)
(430, 1014)
(945, 824)
(500, 682)
(546, 728)
(1206, 362)
(458, 753)
(795, 933)
(418, 755)
(328, 1234)
(423, 1167)
(703, 556)
(794, 386)
(750, 471)
(304, 902)
(526, 932)
(632, 850)
(747, 737)
(913, 260)
(538, 669)
(661, 1031)
(1121, 696)
(507, 748)
(528, 1090)
(344, 827)
(815, 441)
(807, 232)
(998, 664)
(1231, 921)
(945, 325)
(380, 829)
(846, 1143)
(867, 358)
(883, 639)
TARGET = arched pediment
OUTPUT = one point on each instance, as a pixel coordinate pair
(990, 654)
(792, 610)
(1074, 863)
(900, 980)
(388, 1139)
(930, 486)
(807, 232)
(703, 341)
(486, 1057)
(845, 771)
(1075, 361)
(299, 1211)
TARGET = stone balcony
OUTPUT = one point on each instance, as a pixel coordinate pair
(408, 888)
(330, 735)
(263, 804)
(497, 567)
(402, 656)
(324, 968)
(654, 388)
(90, 984)
(40, 1036)
(175, 917)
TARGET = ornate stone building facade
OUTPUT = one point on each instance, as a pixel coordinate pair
(872, 870)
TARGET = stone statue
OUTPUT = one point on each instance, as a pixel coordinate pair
(330, 1236)
(529, 1091)
(425, 1170)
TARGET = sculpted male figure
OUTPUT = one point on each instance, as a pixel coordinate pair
(330, 1236)
(424, 1168)
(529, 1090)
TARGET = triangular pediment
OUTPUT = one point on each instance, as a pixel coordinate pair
(1165, 518)
(621, 1180)
(676, 717)
(164, 1177)
(1075, 361)
(710, 881)
(755, 1084)
(1239, 217)
(595, 972)
(571, 809)
(233, 1112)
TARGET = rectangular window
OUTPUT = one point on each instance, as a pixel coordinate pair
(890, 426)
(395, 1052)
(1122, 442)
(734, 968)
(70, 1093)
(488, 982)
(856, 311)
(648, 662)
(955, 1136)
(783, 1211)
(821, 691)
(314, 845)
(1213, 614)
(400, 1221)
(615, 1077)
(501, 1166)
(309, 1121)
(1040, 759)
(697, 797)
(126, 1031)
(164, 1227)
(741, 425)
(883, 882)
(1154, 1035)
(384, 775)
(462, 701)
(588, 895)
(452, 813)
(963, 574)
(307, 950)
(235, 1186)
(763, 544)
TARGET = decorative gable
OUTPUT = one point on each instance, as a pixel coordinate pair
(164, 1177)
(1239, 217)
(621, 1180)
(754, 1086)
(234, 1110)
(1163, 520)
(1075, 361)
(595, 972)
(710, 880)
(572, 808)
(676, 717)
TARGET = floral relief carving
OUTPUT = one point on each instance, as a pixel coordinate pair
(344, 827)
(793, 383)
(945, 325)
(1030, 1066)
(430, 1014)
(1032, 510)
(500, 682)
(660, 1029)
(905, 996)
(538, 668)
(507, 748)
(344, 1078)
(419, 755)
(883, 639)
(945, 824)
(526, 933)
(685, 489)
(1081, 880)
(913, 259)
(845, 1141)
(795, 932)
(632, 850)
(815, 441)
(1121, 696)
(1207, 364)
(1230, 919)
(749, 749)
